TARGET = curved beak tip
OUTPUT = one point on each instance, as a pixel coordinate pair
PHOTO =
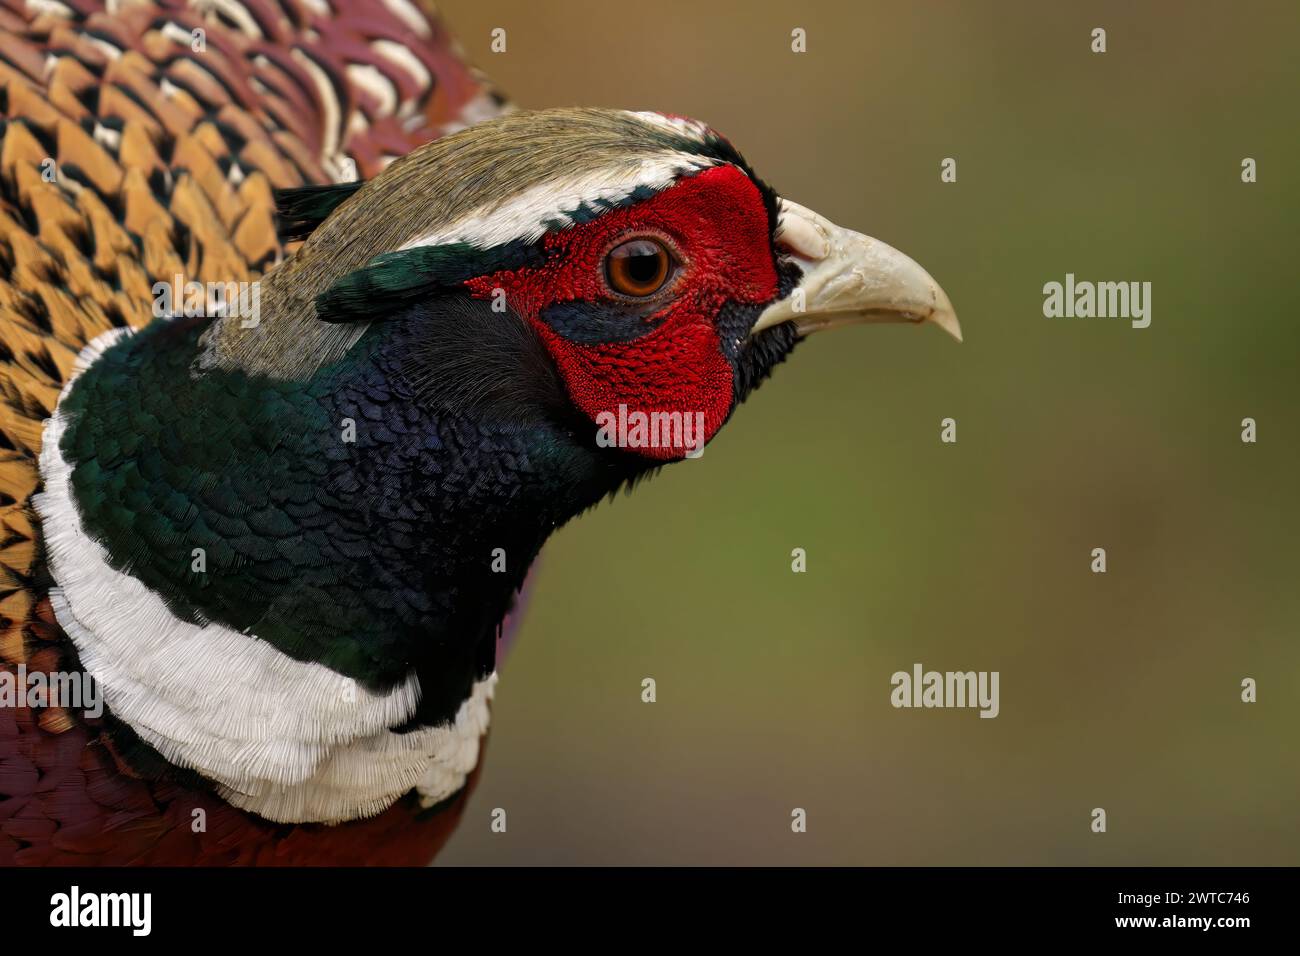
(946, 319)
(849, 278)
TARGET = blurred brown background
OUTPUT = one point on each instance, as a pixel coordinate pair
(1119, 690)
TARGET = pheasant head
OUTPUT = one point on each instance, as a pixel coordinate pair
(313, 519)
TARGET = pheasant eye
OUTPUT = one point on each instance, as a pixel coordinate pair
(638, 267)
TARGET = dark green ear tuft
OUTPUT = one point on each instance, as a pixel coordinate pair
(300, 210)
(394, 280)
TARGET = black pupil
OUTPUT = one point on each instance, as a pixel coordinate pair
(643, 267)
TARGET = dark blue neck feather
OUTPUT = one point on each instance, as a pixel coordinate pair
(352, 519)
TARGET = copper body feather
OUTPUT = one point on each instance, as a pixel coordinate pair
(139, 141)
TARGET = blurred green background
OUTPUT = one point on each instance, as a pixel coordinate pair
(1119, 690)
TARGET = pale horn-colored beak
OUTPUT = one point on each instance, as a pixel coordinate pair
(850, 278)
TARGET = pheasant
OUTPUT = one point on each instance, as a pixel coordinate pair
(307, 344)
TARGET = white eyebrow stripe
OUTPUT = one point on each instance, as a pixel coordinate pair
(534, 212)
(679, 125)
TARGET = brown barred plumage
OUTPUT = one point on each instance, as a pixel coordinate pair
(127, 157)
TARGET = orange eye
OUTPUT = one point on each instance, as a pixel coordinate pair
(638, 267)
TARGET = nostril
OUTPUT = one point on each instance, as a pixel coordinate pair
(798, 233)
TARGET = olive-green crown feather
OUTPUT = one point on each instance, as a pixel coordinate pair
(473, 171)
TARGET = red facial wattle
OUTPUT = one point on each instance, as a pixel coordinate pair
(716, 223)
